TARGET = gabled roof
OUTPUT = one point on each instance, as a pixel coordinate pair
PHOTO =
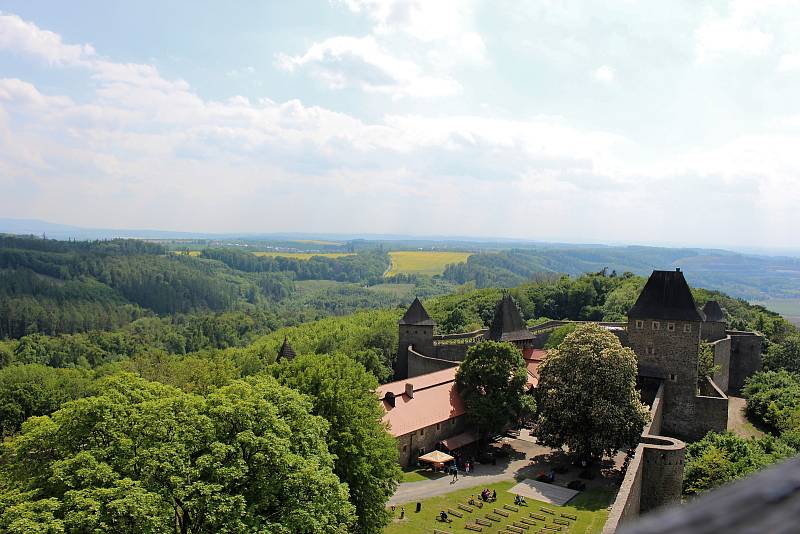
(666, 295)
(286, 351)
(713, 312)
(507, 324)
(435, 400)
(416, 315)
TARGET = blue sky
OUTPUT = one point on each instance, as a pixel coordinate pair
(626, 121)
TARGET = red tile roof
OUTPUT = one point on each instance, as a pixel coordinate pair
(435, 401)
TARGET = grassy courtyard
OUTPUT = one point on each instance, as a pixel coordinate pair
(591, 508)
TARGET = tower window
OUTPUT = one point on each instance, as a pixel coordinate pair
(438, 426)
(405, 448)
(639, 323)
(421, 431)
(452, 421)
(673, 377)
(671, 327)
(656, 325)
(687, 328)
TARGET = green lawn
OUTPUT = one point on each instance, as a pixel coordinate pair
(590, 506)
(416, 474)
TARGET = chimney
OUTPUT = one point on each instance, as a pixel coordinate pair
(677, 269)
(389, 398)
(410, 390)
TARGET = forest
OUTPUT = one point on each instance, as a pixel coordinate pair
(133, 424)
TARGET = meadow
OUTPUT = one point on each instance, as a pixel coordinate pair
(426, 262)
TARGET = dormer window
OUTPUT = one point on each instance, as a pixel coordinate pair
(639, 324)
(656, 325)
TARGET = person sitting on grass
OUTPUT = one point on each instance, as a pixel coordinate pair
(519, 500)
(443, 517)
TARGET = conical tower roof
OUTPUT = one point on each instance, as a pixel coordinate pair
(417, 315)
(286, 351)
(713, 312)
(666, 296)
(508, 324)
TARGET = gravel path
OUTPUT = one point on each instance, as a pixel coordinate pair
(737, 421)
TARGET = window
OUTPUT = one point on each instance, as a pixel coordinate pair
(671, 327)
(656, 325)
(639, 323)
(405, 448)
(650, 350)
(438, 426)
(421, 431)
(452, 422)
(673, 377)
(687, 328)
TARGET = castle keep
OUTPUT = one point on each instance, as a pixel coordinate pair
(664, 328)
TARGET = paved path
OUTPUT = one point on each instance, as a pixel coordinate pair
(528, 458)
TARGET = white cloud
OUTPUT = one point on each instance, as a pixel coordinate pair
(360, 62)
(604, 74)
(735, 33)
(789, 63)
(27, 38)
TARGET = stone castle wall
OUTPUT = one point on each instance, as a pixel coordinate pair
(745, 358)
(421, 338)
(669, 350)
(713, 330)
(409, 445)
(419, 364)
(453, 352)
(655, 474)
(722, 358)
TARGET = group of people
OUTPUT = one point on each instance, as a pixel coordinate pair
(487, 496)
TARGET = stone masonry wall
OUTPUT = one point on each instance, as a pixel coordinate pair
(454, 352)
(722, 358)
(745, 358)
(419, 364)
(670, 350)
(713, 330)
(408, 445)
(421, 338)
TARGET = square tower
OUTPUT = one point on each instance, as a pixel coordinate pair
(416, 329)
(664, 332)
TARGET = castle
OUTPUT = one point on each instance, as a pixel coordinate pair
(664, 328)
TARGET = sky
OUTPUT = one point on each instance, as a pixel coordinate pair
(596, 121)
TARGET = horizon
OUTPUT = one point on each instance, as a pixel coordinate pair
(655, 125)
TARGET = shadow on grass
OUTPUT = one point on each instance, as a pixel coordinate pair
(417, 474)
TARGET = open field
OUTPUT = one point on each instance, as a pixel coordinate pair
(789, 308)
(590, 506)
(398, 290)
(304, 255)
(426, 262)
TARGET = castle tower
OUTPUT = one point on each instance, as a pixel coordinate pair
(286, 351)
(416, 329)
(715, 324)
(508, 324)
(664, 331)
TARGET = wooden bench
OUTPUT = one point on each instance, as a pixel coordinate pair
(515, 530)
(498, 511)
(552, 528)
(511, 507)
(437, 531)
(559, 521)
(482, 521)
(547, 510)
(465, 507)
(473, 526)
(521, 525)
(540, 517)
(455, 512)
(569, 516)
(492, 517)
(479, 504)
(527, 521)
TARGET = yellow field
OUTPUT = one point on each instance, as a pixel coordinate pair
(304, 255)
(193, 253)
(423, 261)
